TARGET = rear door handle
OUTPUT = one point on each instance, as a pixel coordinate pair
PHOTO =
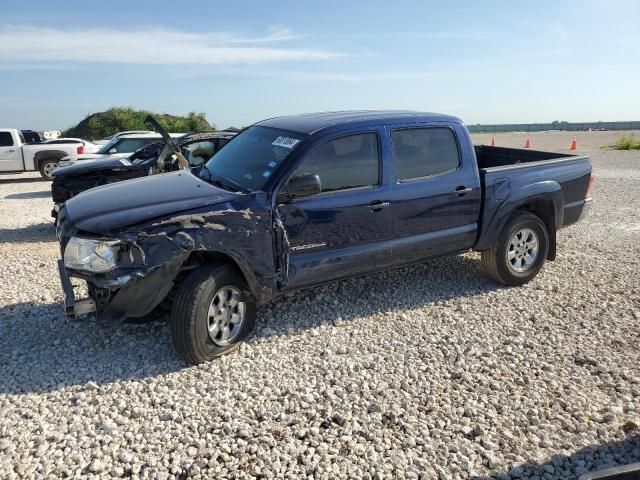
(10, 151)
(462, 190)
(378, 205)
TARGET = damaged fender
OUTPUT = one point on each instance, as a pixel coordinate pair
(172, 245)
(173, 224)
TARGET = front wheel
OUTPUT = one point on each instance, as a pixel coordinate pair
(519, 252)
(47, 167)
(212, 314)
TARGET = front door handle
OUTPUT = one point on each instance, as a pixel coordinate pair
(378, 205)
(10, 151)
(462, 190)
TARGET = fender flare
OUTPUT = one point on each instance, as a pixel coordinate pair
(261, 293)
(545, 195)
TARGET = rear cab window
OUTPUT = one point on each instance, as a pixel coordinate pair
(344, 163)
(424, 152)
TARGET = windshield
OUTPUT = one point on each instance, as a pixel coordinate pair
(252, 156)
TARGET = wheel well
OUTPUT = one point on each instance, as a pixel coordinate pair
(41, 157)
(546, 211)
(201, 257)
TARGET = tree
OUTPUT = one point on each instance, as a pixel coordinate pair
(117, 119)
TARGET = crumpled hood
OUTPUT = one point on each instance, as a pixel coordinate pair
(104, 209)
(94, 156)
(91, 156)
(108, 163)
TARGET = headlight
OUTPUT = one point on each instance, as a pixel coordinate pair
(91, 255)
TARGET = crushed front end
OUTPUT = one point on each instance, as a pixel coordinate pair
(127, 275)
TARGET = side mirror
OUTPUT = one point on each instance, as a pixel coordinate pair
(301, 186)
(113, 150)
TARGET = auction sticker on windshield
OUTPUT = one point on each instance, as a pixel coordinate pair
(285, 142)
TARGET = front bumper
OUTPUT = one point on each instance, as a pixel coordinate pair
(144, 276)
(72, 308)
(130, 296)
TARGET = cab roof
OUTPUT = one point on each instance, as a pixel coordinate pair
(310, 123)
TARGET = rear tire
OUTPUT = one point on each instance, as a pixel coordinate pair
(211, 303)
(47, 167)
(519, 252)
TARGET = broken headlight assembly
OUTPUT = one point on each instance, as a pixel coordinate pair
(91, 255)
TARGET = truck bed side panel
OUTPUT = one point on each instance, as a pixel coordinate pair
(555, 186)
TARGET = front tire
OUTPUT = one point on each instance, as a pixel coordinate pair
(47, 167)
(519, 252)
(212, 314)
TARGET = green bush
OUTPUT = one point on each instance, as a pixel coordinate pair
(627, 142)
(117, 119)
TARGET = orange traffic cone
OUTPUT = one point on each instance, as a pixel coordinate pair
(493, 141)
(527, 144)
(574, 144)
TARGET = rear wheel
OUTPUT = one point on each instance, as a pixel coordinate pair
(212, 314)
(520, 251)
(47, 167)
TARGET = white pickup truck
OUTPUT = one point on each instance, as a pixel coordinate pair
(18, 156)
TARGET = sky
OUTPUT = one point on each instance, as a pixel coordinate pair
(241, 61)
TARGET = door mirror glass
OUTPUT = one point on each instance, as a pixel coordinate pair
(302, 186)
(113, 150)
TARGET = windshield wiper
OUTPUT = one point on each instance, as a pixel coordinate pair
(221, 182)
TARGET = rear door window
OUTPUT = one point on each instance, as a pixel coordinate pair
(6, 140)
(424, 152)
(346, 162)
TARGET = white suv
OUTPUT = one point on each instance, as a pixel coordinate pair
(106, 140)
(122, 145)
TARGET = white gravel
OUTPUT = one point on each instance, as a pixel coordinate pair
(424, 372)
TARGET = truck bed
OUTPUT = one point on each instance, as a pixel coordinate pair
(560, 180)
(492, 157)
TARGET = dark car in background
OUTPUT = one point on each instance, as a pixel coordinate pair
(196, 148)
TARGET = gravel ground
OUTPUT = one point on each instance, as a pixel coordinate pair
(425, 372)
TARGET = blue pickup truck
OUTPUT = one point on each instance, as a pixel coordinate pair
(297, 201)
